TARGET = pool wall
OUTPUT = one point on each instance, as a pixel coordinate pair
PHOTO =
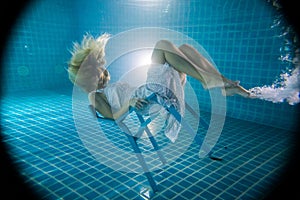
(237, 35)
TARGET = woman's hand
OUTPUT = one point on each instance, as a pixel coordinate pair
(138, 103)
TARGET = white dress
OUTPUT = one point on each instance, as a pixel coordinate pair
(163, 80)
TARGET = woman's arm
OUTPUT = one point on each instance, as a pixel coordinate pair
(137, 103)
(100, 102)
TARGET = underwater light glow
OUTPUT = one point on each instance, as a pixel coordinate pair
(144, 59)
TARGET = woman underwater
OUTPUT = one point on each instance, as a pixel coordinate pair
(170, 64)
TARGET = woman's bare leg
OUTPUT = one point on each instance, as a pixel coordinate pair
(187, 60)
(165, 51)
(231, 87)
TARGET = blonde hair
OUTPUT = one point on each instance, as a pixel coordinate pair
(89, 47)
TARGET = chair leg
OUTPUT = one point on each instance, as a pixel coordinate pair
(142, 161)
(178, 117)
(153, 141)
(138, 154)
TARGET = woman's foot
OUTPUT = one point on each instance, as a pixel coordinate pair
(231, 88)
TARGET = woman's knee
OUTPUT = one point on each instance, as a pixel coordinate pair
(163, 45)
(158, 54)
(184, 47)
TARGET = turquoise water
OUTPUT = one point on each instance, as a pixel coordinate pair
(243, 39)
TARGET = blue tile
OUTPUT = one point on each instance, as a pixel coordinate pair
(227, 195)
(92, 195)
(214, 190)
(111, 194)
(221, 185)
(63, 192)
(188, 194)
(234, 192)
(103, 188)
(207, 195)
(62, 176)
(105, 179)
(56, 186)
(209, 180)
(130, 194)
(76, 184)
(176, 188)
(169, 194)
(181, 175)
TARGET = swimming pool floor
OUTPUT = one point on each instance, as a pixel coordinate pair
(40, 133)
